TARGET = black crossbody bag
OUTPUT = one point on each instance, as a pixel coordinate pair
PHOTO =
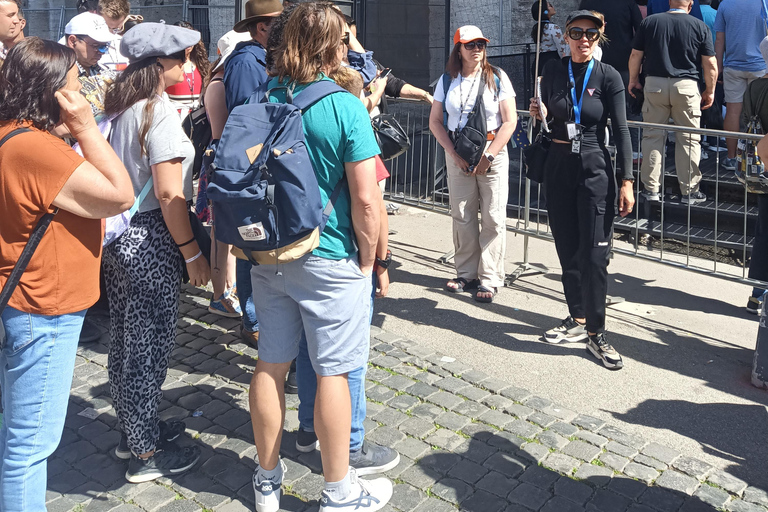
(470, 141)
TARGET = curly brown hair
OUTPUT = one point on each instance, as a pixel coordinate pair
(199, 55)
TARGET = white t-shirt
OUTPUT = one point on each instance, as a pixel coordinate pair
(113, 59)
(462, 94)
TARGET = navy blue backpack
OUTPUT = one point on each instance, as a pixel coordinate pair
(265, 195)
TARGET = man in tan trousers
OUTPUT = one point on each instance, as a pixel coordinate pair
(670, 46)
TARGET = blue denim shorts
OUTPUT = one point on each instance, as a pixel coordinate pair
(329, 300)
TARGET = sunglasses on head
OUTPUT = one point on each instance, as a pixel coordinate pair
(480, 45)
(345, 38)
(577, 33)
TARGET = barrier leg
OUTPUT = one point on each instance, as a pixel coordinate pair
(525, 267)
(760, 362)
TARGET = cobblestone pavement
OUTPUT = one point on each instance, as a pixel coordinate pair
(467, 441)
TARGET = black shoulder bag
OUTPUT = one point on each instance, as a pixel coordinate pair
(470, 140)
(390, 135)
(29, 249)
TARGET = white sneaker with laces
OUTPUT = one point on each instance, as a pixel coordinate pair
(364, 496)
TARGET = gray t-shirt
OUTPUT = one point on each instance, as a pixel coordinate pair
(165, 141)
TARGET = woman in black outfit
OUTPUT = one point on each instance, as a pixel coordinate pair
(581, 182)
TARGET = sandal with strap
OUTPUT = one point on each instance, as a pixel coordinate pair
(461, 285)
(485, 289)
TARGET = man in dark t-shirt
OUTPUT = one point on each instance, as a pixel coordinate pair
(671, 90)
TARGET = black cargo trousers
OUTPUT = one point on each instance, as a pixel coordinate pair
(581, 201)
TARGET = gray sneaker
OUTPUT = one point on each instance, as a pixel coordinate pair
(694, 198)
(169, 431)
(650, 196)
(729, 164)
(570, 331)
(372, 459)
(601, 349)
(169, 460)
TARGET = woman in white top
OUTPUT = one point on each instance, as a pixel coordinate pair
(480, 251)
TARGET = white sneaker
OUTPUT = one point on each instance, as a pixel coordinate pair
(267, 493)
(365, 495)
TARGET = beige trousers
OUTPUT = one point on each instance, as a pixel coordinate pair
(679, 99)
(480, 244)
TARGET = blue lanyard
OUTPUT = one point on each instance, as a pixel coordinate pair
(577, 105)
(678, 10)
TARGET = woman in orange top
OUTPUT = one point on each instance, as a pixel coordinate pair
(40, 327)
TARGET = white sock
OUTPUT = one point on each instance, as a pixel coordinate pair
(273, 475)
(338, 491)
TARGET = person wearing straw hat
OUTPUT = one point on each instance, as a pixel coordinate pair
(479, 257)
(578, 95)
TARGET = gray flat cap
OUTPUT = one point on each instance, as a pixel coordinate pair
(156, 40)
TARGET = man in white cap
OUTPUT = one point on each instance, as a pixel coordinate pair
(89, 35)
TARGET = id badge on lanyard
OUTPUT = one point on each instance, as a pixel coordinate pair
(575, 133)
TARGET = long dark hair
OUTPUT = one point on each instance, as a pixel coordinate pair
(32, 73)
(139, 81)
(199, 55)
(538, 28)
(454, 66)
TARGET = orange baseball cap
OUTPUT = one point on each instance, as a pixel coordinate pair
(468, 33)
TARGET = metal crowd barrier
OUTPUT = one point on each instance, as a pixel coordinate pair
(695, 238)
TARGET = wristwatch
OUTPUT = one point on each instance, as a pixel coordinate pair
(386, 261)
(490, 157)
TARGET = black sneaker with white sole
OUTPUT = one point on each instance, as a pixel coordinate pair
(372, 458)
(570, 331)
(306, 441)
(171, 459)
(603, 350)
(169, 431)
(694, 198)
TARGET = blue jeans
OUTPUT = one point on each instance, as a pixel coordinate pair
(37, 363)
(307, 383)
(245, 294)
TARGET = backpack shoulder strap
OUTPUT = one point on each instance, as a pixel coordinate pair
(446, 78)
(315, 92)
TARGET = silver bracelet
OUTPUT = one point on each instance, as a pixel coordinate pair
(193, 258)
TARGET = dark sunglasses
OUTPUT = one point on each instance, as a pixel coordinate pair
(345, 38)
(577, 33)
(99, 47)
(480, 45)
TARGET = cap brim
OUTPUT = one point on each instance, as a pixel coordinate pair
(462, 41)
(242, 25)
(597, 21)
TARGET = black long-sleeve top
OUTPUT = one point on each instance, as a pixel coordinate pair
(604, 97)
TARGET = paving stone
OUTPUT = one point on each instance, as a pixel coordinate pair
(561, 462)
(181, 506)
(564, 429)
(558, 504)
(523, 429)
(560, 412)
(418, 350)
(541, 419)
(234, 477)
(154, 497)
(660, 452)
(435, 505)
(377, 374)
(529, 496)
(620, 449)
(103, 503)
(495, 418)
(67, 481)
(476, 451)
(506, 464)
(93, 429)
(213, 497)
(582, 450)
(518, 410)
(613, 461)
(456, 368)
(537, 402)
(379, 393)
(445, 439)
(416, 427)
(628, 487)
(552, 439)
(534, 452)
(407, 497)
(650, 462)
(310, 485)
(474, 376)
(397, 382)
(493, 385)
(64, 504)
(497, 402)
(622, 437)
(539, 476)
(445, 399)
(471, 409)
(452, 421)
(390, 416)
(421, 477)
(403, 402)
(599, 476)
(678, 482)
(572, 490)
(474, 394)
(193, 401)
(216, 464)
(506, 441)
(452, 490)
(483, 501)
(451, 384)
(755, 495)
(661, 499)
(592, 438)
(588, 422)
(641, 472)
(427, 411)
(72, 452)
(468, 471)
(606, 501)
(712, 496)
(496, 483)
(743, 506)
(728, 482)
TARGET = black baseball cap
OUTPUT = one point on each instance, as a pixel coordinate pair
(584, 15)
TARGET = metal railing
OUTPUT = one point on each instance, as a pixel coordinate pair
(713, 238)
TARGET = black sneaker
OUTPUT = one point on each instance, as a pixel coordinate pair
(694, 198)
(291, 386)
(754, 305)
(169, 431)
(171, 459)
(603, 350)
(372, 458)
(570, 330)
(306, 441)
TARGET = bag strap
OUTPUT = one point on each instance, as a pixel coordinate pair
(315, 92)
(446, 78)
(334, 196)
(142, 195)
(29, 248)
